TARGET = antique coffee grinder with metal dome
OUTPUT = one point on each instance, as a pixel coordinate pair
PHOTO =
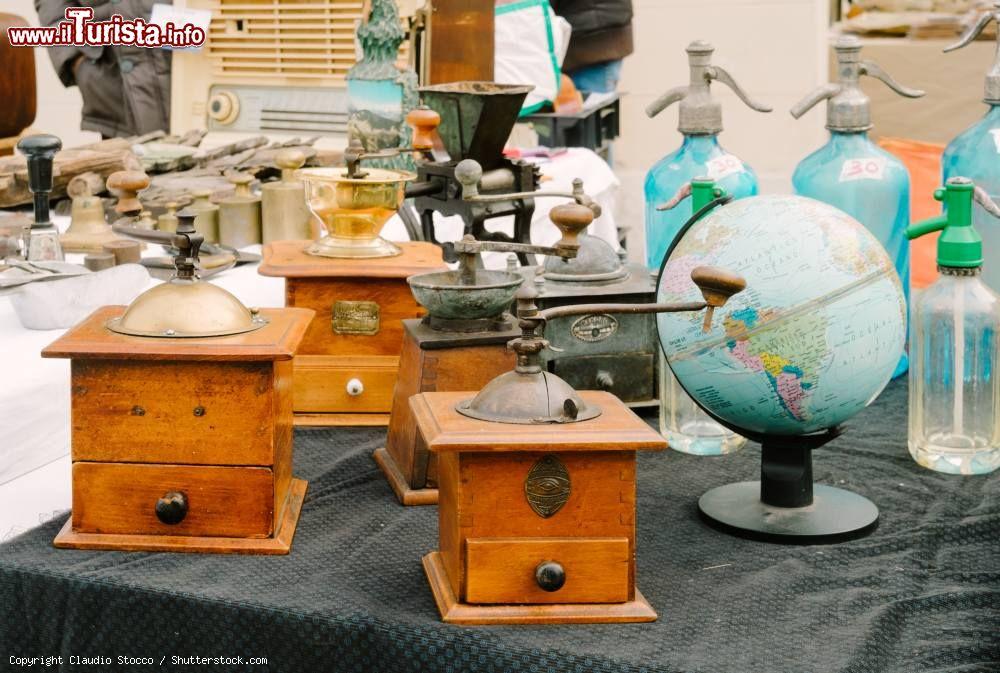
(461, 343)
(355, 281)
(599, 351)
(537, 483)
(182, 417)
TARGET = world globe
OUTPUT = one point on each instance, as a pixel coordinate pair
(814, 337)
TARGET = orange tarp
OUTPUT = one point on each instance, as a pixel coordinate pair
(923, 160)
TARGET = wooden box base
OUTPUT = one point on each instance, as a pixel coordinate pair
(404, 493)
(309, 420)
(345, 368)
(454, 612)
(280, 543)
(435, 361)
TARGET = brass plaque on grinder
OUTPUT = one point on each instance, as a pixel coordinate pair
(356, 317)
(547, 486)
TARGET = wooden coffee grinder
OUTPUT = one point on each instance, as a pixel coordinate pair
(461, 344)
(537, 485)
(182, 417)
(355, 281)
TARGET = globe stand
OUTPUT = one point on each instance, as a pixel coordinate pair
(785, 506)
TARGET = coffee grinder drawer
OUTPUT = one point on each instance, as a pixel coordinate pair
(628, 376)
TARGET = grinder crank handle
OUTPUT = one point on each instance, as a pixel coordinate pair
(571, 219)
(39, 151)
(424, 123)
(716, 285)
(468, 172)
(186, 239)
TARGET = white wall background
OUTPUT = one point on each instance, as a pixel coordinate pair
(776, 49)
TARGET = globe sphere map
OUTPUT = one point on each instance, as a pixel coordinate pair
(814, 337)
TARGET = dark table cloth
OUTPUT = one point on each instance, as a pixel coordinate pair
(922, 593)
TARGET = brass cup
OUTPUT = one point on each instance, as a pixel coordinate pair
(353, 210)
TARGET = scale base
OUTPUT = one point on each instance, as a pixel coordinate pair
(88, 242)
(835, 515)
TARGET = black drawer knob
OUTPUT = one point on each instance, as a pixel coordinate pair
(172, 508)
(550, 576)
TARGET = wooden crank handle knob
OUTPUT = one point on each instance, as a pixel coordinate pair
(424, 122)
(571, 219)
(126, 185)
(717, 286)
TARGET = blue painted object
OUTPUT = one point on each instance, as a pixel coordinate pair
(852, 173)
(975, 154)
(700, 155)
(700, 158)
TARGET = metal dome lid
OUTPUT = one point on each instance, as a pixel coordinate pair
(526, 398)
(184, 306)
(595, 262)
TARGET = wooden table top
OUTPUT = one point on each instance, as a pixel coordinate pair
(278, 340)
(616, 429)
(289, 259)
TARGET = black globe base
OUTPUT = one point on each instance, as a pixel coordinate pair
(785, 506)
(835, 515)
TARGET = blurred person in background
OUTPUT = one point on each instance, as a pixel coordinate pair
(602, 37)
(125, 89)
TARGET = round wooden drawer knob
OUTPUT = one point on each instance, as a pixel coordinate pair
(172, 508)
(355, 387)
(550, 576)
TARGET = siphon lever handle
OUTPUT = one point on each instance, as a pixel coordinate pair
(721, 75)
(975, 29)
(873, 69)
